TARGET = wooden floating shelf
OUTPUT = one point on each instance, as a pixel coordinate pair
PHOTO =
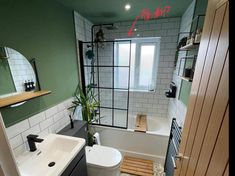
(186, 79)
(15, 99)
(189, 46)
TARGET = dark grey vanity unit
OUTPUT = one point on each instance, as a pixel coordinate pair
(78, 166)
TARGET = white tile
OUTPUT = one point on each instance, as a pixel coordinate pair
(16, 141)
(37, 119)
(44, 133)
(50, 112)
(58, 116)
(17, 128)
(20, 149)
(60, 107)
(54, 128)
(46, 123)
(34, 130)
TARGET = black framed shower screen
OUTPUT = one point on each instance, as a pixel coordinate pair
(100, 70)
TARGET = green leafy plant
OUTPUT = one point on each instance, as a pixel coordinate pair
(89, 106)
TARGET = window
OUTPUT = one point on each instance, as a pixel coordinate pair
(143, 64)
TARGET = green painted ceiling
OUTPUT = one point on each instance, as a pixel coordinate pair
(106, 11)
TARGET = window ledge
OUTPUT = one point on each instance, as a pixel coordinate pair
(137, 90)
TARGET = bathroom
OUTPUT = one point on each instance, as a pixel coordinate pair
(54, 37)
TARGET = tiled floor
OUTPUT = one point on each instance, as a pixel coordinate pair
(157, 168)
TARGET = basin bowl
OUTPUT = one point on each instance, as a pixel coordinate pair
(52, 156)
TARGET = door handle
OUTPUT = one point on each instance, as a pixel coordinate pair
(177, 157)
(180, 156)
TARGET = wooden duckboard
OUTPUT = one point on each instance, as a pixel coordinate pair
(137, 166)
(141, 123)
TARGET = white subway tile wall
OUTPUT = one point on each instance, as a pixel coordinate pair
(49, 121)
(176, 108)
(154, 104)
(82, 27)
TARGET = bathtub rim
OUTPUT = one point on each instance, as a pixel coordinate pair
(131, 130)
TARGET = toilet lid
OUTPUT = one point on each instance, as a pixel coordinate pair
(102, 156)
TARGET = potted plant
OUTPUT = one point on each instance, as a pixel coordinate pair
(89, 106)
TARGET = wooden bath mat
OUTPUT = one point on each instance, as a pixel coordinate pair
(137, 166)
(141, 123)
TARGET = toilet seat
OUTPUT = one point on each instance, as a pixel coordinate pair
(103, 157)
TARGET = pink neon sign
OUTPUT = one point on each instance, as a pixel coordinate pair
(146, 15)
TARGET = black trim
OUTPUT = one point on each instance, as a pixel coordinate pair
(33, 62)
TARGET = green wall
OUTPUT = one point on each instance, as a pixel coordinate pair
(43, 30)
(6, 81)
(185, 91)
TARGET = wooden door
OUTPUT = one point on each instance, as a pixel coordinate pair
(204, 146)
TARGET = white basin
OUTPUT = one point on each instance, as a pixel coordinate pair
(55, 148)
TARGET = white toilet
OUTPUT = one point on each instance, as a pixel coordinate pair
(103, 161)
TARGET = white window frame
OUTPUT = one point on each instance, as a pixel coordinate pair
(143, 42)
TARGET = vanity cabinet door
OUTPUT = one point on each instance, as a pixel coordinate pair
(81, 168)
(77, 165)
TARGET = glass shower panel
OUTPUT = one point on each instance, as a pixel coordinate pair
(106, 98)
(120, 118)
(105, 116)
(120, 99)
(106, 77)
(109, 77)
(121, 77)
(105, 55)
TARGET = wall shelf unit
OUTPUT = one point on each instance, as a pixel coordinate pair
(193, 36)
(189, 61)
(19, 98)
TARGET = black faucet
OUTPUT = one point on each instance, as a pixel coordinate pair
(31, 140)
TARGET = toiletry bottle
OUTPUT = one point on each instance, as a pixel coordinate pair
(33, 84)
(30, 86)
(25, 85)
(192, 38)
(198, 36)
(188, 40)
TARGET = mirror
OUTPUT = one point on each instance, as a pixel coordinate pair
(15, 70)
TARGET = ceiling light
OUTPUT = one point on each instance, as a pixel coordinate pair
(127, 6)
(138, 35)
(135, 29)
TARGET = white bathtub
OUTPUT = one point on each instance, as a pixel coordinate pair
(150, 145)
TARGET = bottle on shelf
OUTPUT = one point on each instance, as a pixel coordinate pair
(192, 38)
(188, 40)
(25, 86)
(32, 85)
(198, 35)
